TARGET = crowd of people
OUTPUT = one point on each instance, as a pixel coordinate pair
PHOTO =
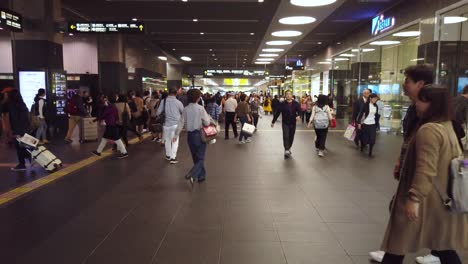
(433, 129)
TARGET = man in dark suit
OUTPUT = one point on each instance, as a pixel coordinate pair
(357, 106)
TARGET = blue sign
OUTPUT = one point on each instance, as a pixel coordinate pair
(381, 23)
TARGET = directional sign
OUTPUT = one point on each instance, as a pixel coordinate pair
(234, 73)
(11, 20)
(106, 27)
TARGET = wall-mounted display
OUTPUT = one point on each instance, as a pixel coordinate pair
(30, 82)
(58, 86)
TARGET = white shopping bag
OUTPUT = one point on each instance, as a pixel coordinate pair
(248, 129)
(350, 133)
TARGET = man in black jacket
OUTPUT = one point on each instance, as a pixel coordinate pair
(357, 106)
(275, 104)
(291, 113)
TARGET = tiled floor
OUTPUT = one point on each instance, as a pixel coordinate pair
(254, 208)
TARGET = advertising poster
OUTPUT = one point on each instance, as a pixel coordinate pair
(30, 82)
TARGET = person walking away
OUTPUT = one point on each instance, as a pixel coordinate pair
(291, 113)
(40, 110)
(357, 106)
(275, 104)
(19, 121)
(124, 117)
(243, 113)
(366, 121)
(193, 118)
(110, 115)
(230, 109)
(418, 208)
(255, 110)
(173, 109)
(321, 117)
(309, 106)
(75, 109)
(213, 109)
(267, 106)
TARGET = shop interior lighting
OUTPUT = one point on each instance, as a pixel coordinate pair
(268, 55)
(195, 20)
(325, 62)
(185, 58)
(265, 59)
(340, 59)
(286, 33)
(419, 59)
(347, 55)
(385, 42)
(297, 20)
(262, 62)
(70, 34)
(355, 50)
(407, 34)
(454, 19)
(367, 50)
(312, 2)
(260, 1)
(279, 42)
(163, 58)
(272, 50)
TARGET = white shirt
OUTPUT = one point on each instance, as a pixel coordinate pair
(230, 105)
(370, 119)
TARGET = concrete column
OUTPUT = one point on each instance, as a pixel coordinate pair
(113, 74)
(174, 75)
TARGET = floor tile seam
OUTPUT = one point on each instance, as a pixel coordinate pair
(28, 188)
(277, 232)
(221, 242)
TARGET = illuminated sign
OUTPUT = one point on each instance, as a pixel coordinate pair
(11, 20)
(381, 23)
(298, 66)
(106, 27)
(236, 82)
(234, 73)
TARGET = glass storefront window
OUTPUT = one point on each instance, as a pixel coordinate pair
(344, 81)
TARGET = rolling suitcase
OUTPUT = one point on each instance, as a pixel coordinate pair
(88, 130)
(45, 159)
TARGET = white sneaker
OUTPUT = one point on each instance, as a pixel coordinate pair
(241, 142)
(320, 153)
(248, 140)
(428, 259)
(377, 256)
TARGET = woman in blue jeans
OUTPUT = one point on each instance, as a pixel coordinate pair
(243, 113)
(194, 117)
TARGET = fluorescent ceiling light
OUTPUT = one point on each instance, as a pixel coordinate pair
(279, 42)
(297, 20)
(367, 50)
(268, 55)
(312, 2)
(340, 59)
(454, 19)
(347, 55)
(260, 1)
(195, 20)
(252, 34)
(286, 33)
(134, 19)
(265, 59)
(162, 58)
(185, 58)
(419, 59)
(324, 62)
(273, 50)
(202, 33)
(385, 42)
(407, 34)
(262, 62)
(355, 50)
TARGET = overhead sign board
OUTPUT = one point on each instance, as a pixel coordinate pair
(297, 66)
(234, 73)
(11, 20)
(381, 23)
(106, 27)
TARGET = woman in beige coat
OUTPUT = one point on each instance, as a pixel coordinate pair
(419, 218)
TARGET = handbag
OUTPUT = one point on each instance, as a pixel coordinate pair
(303, 107)
(350, 132)
(161, 118)
(333, 123)
(208, 133)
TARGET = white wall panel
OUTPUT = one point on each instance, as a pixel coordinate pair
(6, 57)
(80, 55)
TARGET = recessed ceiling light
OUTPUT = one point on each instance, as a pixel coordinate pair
(268, 55)
(279, 42)
(262, 62)
(320, 43)
(219, 65)
(173, 49)
(300, 55)
(273, 50)
(185, 58)
(347, 55)
(202, 33)
(338, 43)
(454, 19)
(260, 1)
(70, 34)
(184, 0)
(407, 34)
(163, 58)
(252, 34)
(195, 20)
(245, 59)
(134, 19)
(286, 33)
(312, 3)
(265, 59)
(385, 42)
(324, 62)
(297, 20)
(213, 55)
(215, 59)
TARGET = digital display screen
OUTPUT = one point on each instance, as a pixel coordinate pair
(234, 73)
(30, 82)
(59, 89)
(11, 20)
(462, 81)
(106, 27)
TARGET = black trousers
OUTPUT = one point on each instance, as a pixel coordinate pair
(230, 121)
(446, 257)
(289, 130)
(21, 153)
(368, 134)
(255, 119)
(124, 133)
(308, 116)
(321, 138)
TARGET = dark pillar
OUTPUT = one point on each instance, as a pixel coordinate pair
(174, 75)
(113, 74)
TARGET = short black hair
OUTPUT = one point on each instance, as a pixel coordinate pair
(242, 97)
(193, 95)
(420, 72)
(173, 90)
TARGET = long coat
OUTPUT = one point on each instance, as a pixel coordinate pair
(429, 156)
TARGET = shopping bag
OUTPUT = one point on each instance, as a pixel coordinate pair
(208, 133)
(248, 129)
(333, 123)
(350, 132)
